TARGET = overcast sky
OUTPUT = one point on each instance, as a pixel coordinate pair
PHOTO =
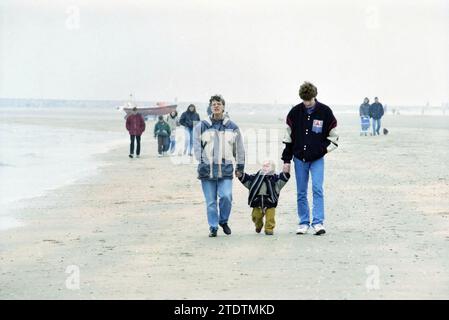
(249, 51)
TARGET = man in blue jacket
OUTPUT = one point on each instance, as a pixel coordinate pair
(311, 133)
(376, 111)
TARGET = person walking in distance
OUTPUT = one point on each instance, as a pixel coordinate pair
(188, 120)
(173, 121)
(135, 124)
(162, 133)
(364, 117)
(376, 111)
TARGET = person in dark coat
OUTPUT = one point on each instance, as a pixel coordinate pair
(135, 124)
(376, 112)
(188, 120)
(310, 135)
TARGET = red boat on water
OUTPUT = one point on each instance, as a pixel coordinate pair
(161, 108)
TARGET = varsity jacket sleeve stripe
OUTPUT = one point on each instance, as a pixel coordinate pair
(287, 154)
(332, 137)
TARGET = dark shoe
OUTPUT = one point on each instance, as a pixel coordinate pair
(226, 228)
(269, 232)
(213, 233)
(258, 229)
(131, 156)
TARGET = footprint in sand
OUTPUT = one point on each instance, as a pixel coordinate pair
(52, 241)
(186, 254)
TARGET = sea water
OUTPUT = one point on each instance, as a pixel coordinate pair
(35, 159)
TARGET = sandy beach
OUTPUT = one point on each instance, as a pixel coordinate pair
(137, 228)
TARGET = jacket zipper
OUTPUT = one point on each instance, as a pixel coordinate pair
(220, 152)
(211, 164)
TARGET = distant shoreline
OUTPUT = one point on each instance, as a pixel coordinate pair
(39, 103)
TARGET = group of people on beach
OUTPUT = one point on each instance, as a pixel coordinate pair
(371, 115)
(164, 131)
(217, 143)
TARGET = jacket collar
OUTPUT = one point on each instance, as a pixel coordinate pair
(208, 120)
(316, 107)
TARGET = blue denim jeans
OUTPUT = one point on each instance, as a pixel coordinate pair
(221, 189)
(172, 143)
(302, 170)
(188, 146)
(376, 126)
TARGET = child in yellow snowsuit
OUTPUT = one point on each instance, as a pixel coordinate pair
(264, 189)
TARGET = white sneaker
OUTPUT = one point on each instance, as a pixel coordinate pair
(160, 155)
(319, 229)
(302, 229)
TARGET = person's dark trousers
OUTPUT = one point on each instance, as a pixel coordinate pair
(162, 144)
(131, 146)
(166, 143)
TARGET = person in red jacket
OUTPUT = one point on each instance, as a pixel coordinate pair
(135, 124)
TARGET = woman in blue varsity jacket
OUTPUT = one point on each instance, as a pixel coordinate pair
(311, 134)
(217, 144)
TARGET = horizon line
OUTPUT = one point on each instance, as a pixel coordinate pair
(443, 104)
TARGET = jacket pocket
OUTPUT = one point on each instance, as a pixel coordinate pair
(227, 170)
(203, 170)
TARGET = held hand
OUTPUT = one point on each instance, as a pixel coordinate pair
(238, 174)
(286, 168)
